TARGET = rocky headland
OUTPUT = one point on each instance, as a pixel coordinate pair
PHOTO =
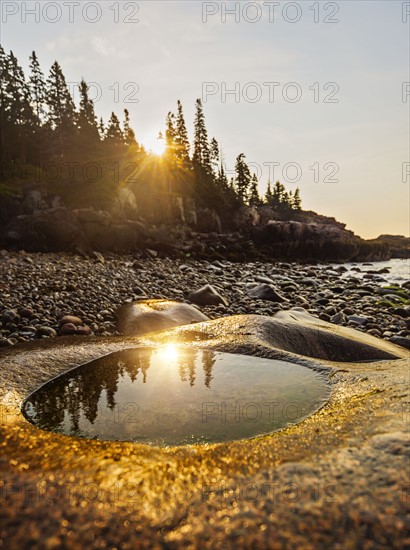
(38, 222)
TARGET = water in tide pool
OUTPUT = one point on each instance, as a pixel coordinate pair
(399, 270)
(176, 396)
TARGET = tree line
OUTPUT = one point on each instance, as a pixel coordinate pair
(41, 125)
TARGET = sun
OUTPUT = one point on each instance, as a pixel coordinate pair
(156, 146)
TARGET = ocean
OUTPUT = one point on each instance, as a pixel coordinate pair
(399, 270)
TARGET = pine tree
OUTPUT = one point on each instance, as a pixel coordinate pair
(101, 129)
(202, 154)
(114, 133)
(87, 121)
(289, 204)
(243, 178)
(297, 202)
(278, 196)
(60, 103)
(128, 132)
(5, 103)
(268, 195)
(19, 93)
(4, 79)
(254, 198)
(205, 190)
(181, 137)
(20, 114)
(38, 89)
(214, 155)
(222, 179)
(170, 136)
(61, 109)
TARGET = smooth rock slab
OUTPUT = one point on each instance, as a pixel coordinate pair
(336, 480)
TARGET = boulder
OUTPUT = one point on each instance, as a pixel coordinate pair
(208, 221)
(10, 208)
(177, 210)
(339, 318)
(246, 217)
(51, 230)
(359, 319)
(104, 234)
(337, 480)
(154, 315)
(34, 200)
(266, 214)
(125, 205)
(399, 245)
(190, 212)
(89, 215)
(70, 329)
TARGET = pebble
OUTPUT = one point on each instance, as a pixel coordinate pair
(42, 296)
(400, 341)
(68, 329)
(266, 292)
(338, 319)
(70, 320)
(206, 296)
(358, 319)
(46, 331)
(6, 342)
(374, 332)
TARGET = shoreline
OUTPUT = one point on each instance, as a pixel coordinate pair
(39, 289)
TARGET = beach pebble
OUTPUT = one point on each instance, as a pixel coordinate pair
(70, 320)
(206, 296)
(266, 292)
(68, 329)
(46, 331)
(400, 341)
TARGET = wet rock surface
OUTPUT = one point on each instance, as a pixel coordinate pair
(336, 480)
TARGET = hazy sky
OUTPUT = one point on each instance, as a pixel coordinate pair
(321, 99)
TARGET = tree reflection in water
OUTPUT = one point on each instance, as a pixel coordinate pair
(78, 392)
(171, 395)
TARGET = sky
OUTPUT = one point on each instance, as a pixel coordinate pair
(313, 93)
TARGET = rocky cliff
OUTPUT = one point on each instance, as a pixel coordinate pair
(399, 246)
(39, 222)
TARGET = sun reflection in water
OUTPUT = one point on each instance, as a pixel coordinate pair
(168, 353)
